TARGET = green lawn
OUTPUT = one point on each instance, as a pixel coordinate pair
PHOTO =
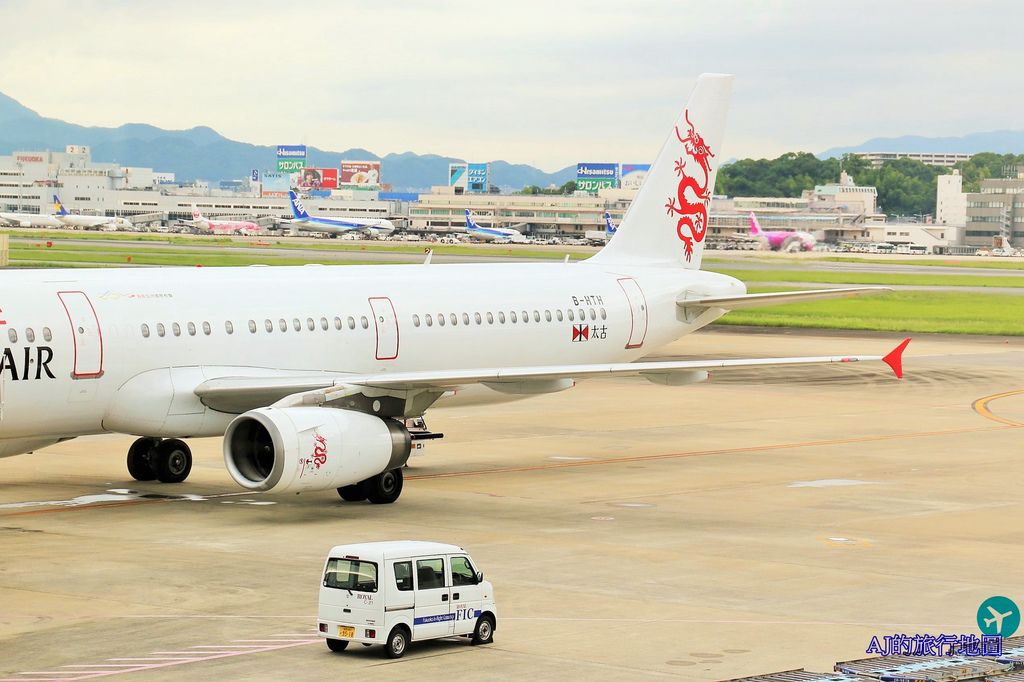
(915, 311)
(34, 257)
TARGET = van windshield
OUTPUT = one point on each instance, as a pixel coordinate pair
(351, 574)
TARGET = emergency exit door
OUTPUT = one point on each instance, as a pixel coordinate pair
(386, 323)
(86, 334)
(637, 311)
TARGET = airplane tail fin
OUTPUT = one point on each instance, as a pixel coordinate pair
(298, 210)
(197, 215)
(755, 227)
(58, 207)
(470, 223)
(609, 228)
(668, 219)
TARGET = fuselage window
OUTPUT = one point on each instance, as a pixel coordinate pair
(454, 319)
(512, 317)
(365, 322)
(351, 322)
(593, 314)
(12, 335)
(490, 318)
(176, 329)
(477, 318)
(415, 320)
(297, 324)
(604, 314)
(160, 330)
(323, 323)
(547, 315)
(145, 331)
(30, 336)
(228, 327)
(191, 329)
(268, 325)
(429, 319)
(206, 328)
(282, 324)
(526, 316)
(570, 315)
(440, 319)
(47, 336)
(558, 314)
(465, 318)
(252, 326)
(536, 316)
(583, 314)
(310, 324)
(337, 323)
(501, 317)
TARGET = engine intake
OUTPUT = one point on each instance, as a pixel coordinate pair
(293, 449)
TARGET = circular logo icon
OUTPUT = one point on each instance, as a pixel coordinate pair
(998, 616)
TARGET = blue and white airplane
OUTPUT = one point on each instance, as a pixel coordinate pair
(599, 238)
(87, 221)
(302, 220)
(491, 234)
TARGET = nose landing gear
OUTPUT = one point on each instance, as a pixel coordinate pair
(168, 461)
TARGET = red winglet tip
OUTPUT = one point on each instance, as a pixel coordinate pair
(895, 358)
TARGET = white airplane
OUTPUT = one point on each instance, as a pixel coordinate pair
(31, 219)
(302, 220)
(310, 373)
(242, 227)
(87, 221)
(491, 234)
(996, 618)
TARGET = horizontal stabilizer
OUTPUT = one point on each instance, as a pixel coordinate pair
(775, 298)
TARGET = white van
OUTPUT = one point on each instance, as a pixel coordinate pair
(393, 593)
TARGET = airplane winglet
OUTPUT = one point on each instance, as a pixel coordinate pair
(895, 358)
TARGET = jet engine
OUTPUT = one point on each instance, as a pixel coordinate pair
(295, 449)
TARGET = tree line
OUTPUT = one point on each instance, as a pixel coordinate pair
(905, 186)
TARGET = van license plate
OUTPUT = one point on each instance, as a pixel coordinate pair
(346, 631)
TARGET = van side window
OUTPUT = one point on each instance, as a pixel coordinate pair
(429, 573)
(462, 571)
(403, 576)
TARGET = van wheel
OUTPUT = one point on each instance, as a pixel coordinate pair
(484, 632)
(384, 488)
(352, 493)
(337, 645)
(397, 642)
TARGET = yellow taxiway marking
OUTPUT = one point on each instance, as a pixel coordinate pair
(981, 407)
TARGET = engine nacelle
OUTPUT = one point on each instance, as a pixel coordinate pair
(293, 449)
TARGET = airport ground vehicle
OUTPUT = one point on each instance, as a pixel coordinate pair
(394, 593)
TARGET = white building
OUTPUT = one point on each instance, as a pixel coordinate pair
(950, 200)
(943, 159)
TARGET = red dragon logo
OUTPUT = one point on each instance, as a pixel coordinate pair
(693, 214)
(319, 450)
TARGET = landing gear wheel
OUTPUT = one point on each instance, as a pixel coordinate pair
(484, 632)
(172, 460)
(397, 642)
(140, 459)
(383, 488)
(337, 645)
(352, 493)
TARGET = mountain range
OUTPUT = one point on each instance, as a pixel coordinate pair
(203, 153)
(998, 141)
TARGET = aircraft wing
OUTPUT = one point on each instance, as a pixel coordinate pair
(774, 298)
(237, 394)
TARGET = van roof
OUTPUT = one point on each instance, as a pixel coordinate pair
(394, 548)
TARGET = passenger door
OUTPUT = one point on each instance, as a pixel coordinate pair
(637, 311)
(386, 323)
(467, 594)
(432, 616)
(85, 331)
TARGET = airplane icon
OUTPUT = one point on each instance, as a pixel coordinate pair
(997, 618)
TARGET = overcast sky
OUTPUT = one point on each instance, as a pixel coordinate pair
(546, 83)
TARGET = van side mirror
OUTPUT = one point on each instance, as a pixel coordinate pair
(479, 577)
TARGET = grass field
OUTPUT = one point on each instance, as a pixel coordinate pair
(916, 311)
(951, 262)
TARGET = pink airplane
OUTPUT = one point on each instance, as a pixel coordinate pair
(243, 227)
(782, 240)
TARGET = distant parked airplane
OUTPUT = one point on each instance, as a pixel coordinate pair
(782, 240)
(334, 226)
(490, 234)
(31, 220)
(244, 227)
(87, 221)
